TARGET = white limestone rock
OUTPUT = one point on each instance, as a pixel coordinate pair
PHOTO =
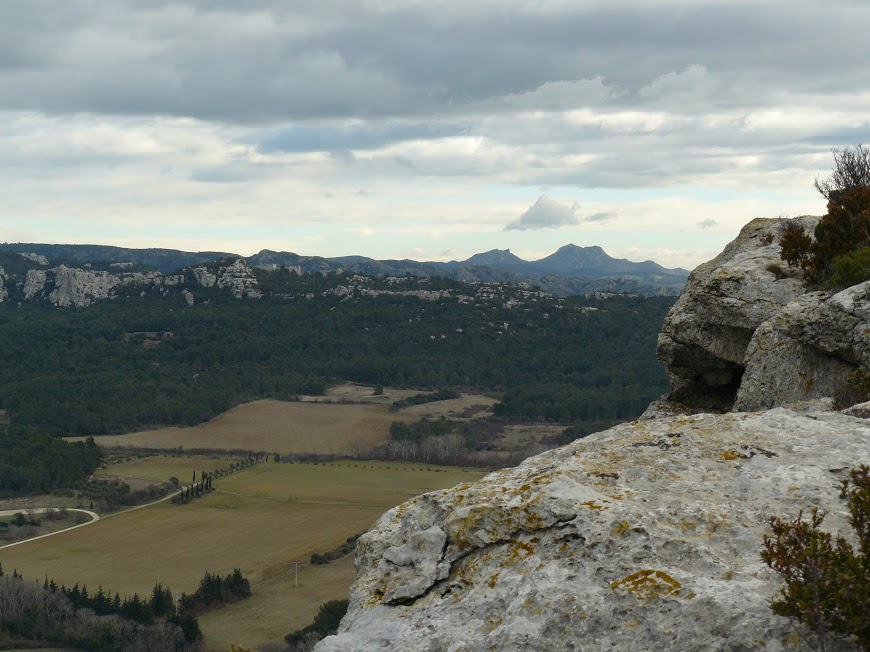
(705, 335)
(806, 350)
(77, 287)
(239, 279)
(34, 283)
(205, 278)
(642, 537)
(36, 258)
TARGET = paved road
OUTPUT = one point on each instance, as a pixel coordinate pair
(94, 517)
(39, 510)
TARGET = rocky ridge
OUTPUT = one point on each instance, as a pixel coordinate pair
(748, 333)
(645, 536)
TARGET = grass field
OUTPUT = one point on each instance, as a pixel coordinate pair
(279, 607)
(260, 520)
(160, 469)
(276, 426)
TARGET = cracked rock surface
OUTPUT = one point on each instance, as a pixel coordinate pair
(806, 350)
(642, 537)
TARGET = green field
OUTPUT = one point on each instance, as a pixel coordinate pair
(160, 469)
(261, 520)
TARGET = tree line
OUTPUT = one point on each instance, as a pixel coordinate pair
(103, 621)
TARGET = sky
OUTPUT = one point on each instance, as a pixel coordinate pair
(426, 129)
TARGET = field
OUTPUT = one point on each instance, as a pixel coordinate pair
(261, 520)
(277, 426)
(160, 469)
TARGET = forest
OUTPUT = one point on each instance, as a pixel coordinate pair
(148, 360)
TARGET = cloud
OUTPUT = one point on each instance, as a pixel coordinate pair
(545, 213)
(600, 217)
(708, 223)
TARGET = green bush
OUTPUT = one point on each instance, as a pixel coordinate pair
(850, 269)
(827, 579)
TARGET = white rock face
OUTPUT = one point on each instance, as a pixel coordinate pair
(76, 287)
(705, 335)
(205, 278)
(3, 292)
(34, 283)
(36, 258)
(643, 537)
(239, 279)
(806, 350)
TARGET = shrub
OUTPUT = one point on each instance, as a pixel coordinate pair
(851, 170)
(843, 230)
(850, 269)
(777, 270)
(827, 580)
(794, 244)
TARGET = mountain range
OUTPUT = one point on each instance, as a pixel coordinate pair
(569, 270)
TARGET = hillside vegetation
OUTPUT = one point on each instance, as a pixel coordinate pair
(148, 359)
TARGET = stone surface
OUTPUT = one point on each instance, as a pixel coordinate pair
(806, 349)
(36, 258)
(3, 292)
(34, 283)
(642, 537)
(239, 279)
(77, 287)
(705, 335)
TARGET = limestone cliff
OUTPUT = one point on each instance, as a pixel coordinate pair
(646, 536)
(747, 329)
(3, 292)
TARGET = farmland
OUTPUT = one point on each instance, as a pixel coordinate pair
(276, 426)
(261, 520)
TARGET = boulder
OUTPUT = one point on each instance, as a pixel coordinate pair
(704, 337)
(806, 349)
(642, 537)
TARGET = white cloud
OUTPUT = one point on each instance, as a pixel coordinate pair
(545, 213)
(706, 224)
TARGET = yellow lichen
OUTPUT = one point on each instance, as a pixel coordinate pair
(732, 455)
(591, 504)
(621, 528)
(647, 585)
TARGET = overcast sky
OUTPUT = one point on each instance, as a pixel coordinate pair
(426, 129)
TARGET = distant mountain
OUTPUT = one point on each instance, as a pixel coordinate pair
(163, 260)
(570, 270)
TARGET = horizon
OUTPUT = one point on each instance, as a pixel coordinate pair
(423, 130)
(357, 255)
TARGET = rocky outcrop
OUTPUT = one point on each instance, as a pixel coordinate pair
(642, 537)
(77, 287)
(3, 292)
(806, 349)
(705, 336)
(239, 279)
(36, 258)
(34, 283)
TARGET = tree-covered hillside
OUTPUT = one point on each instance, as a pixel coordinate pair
(148, 358)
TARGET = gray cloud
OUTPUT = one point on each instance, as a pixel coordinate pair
(263, 62)
(545, 213)
(706, 224)
(339, 138)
